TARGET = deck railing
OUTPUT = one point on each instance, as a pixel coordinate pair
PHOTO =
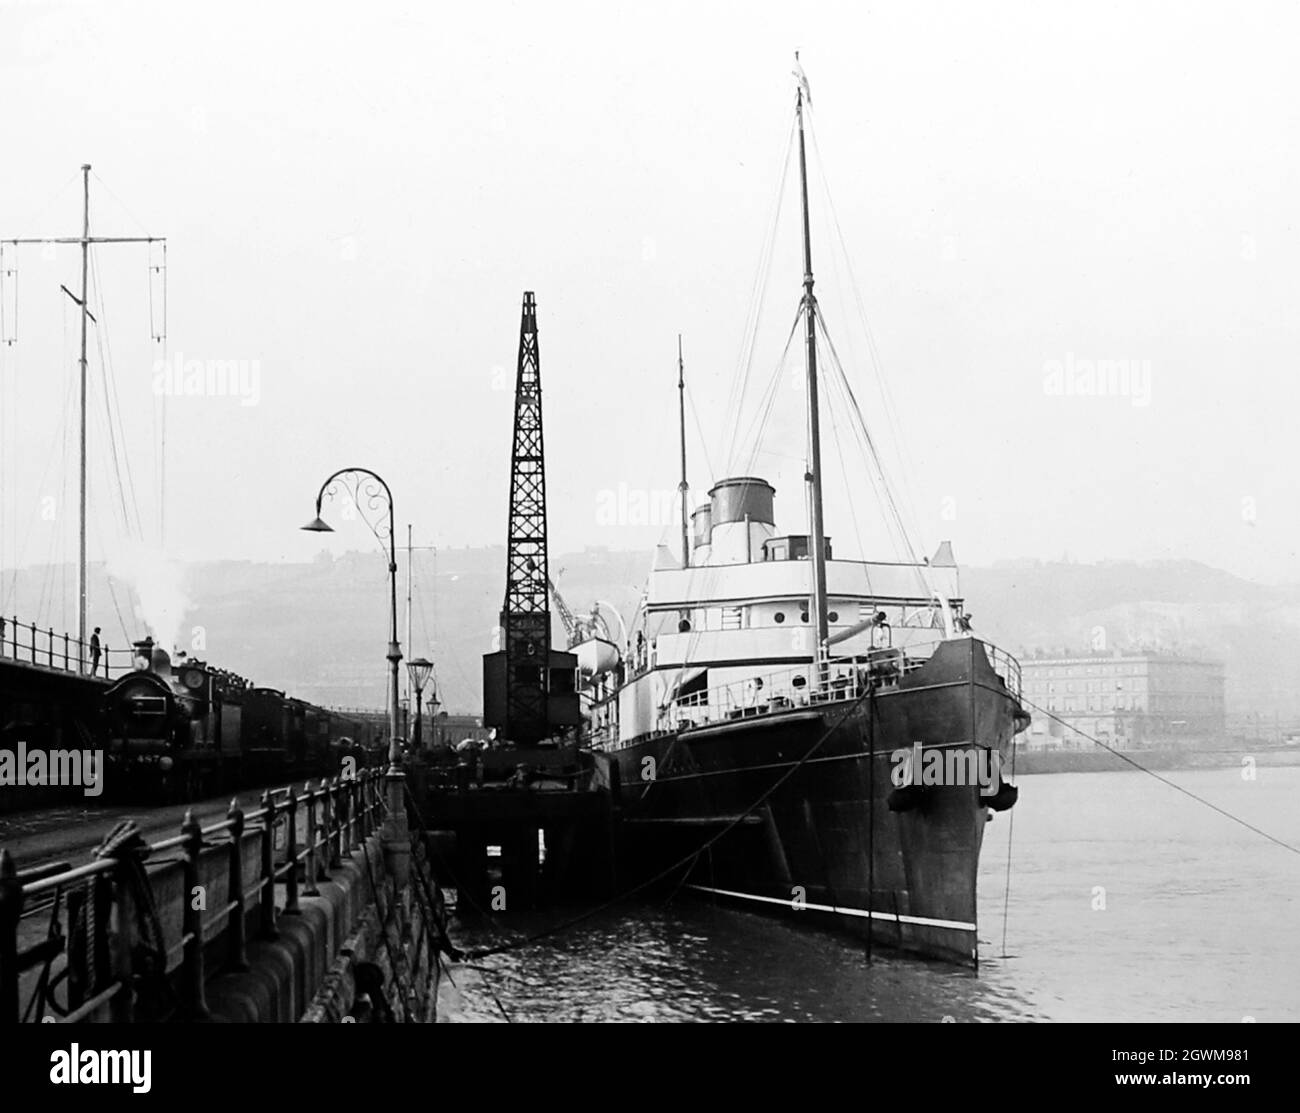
(25, 643)
(238, 863)
(842, 679)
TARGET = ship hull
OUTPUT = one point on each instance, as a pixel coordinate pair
(791, 812)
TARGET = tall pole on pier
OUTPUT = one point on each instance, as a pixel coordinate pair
(81, 467)
(84, 240)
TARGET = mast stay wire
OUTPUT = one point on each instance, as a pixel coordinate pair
(1163, 780)
(893, 423)
(158, 333)
(108, 384)
(761, 418)
(758, 298)
(886, 487)
(879, 482)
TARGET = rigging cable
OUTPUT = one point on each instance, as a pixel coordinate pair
(113, 410)
(1011, 830)
(762, 798)
(1163, 780)
(758, 298)
(882, 381)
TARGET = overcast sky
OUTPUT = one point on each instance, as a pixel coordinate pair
(355, 198)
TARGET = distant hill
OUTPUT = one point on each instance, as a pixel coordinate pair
(319, 629)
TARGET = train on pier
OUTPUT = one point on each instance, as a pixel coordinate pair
(183, 731)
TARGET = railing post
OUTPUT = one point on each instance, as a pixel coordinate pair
(11, 910)
(372, 804)
(192, 978)
(33, 643)
(120, 945)
(50, 645)
(65, 652)
(309, 865)
(238, 923)
(268, 867)
(291, 856)
(342, 796)
(332, 832)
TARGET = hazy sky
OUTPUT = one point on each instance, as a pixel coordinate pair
(356, 196)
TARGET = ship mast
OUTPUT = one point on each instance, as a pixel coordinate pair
(813, 476)
(683, 487)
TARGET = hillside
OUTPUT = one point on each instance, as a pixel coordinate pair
(319, 629)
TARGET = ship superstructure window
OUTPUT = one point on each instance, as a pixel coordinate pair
(779, 617)
(833, 616)
(803, 616)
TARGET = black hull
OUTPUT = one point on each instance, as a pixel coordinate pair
(819, 839)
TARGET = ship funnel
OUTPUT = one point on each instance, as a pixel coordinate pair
(734, 500)
(702, 524)
(741, 519)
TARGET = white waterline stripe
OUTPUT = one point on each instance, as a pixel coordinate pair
(956, 925)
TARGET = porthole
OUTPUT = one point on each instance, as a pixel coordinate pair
(779, 617)
(834, 616)
(803, 617)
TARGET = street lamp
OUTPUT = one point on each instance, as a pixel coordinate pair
(419, 670)
(369, 494)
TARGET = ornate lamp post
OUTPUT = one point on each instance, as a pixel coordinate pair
(370, 495)
(419, 670)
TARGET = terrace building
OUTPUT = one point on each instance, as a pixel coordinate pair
(1126, 700)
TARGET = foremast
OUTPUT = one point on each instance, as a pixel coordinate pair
(813, 476)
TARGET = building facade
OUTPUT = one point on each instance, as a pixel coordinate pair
(1126, 700)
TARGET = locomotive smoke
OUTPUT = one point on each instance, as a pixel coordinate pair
(157, 582)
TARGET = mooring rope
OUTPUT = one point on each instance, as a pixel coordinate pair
(1165, 780)
(763, 797)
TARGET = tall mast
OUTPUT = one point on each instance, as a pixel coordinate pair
(683, 487)
(814, 475)
(84, 241)
(81, 471)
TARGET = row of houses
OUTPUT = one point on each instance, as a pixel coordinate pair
(1129, 700)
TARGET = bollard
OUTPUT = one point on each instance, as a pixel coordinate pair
(291, 856)
(11, 910)
(192, 976)
(267, 925)
(238, 913)
(309, 866)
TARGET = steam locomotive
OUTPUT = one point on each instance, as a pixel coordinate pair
(182, 732)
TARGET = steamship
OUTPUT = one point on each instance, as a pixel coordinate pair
(770, 723)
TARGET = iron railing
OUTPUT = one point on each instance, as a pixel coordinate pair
(25, 643)
(238, 863)
(841, 679)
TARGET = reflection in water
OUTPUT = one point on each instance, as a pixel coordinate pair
(1128, 902)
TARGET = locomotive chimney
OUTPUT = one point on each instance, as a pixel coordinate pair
(143, 654)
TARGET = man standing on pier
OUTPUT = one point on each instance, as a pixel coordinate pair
(94, 654)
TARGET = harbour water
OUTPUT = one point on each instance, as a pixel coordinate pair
(1128, 902)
